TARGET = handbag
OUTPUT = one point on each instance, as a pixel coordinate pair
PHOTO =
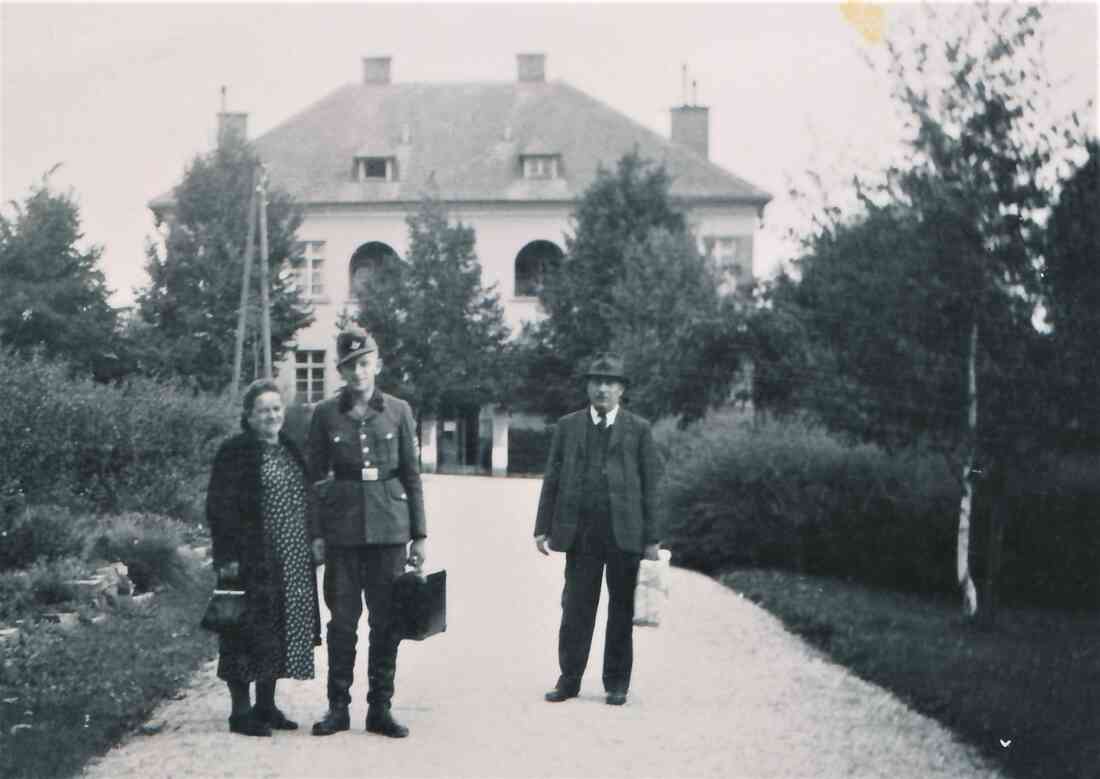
(419, 605)
(651, 592)
(225, 612)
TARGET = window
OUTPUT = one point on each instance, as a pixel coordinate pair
(540, 166)
(532, 263)
(310, 274)
(309, 376)
(732, 256)
(375, 169)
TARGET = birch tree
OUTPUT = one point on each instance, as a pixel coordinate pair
(973, 85)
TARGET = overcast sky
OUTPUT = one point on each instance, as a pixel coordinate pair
(124, 95)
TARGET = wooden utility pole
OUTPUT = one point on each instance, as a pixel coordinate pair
(265, 304)
(238, 351)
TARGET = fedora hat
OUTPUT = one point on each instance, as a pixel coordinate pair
(608, 365)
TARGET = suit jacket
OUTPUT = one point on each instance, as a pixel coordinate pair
(355, 512)
(633, 472)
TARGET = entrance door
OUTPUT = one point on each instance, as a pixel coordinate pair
(465, 442)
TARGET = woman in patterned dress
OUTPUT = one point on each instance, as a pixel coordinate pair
(258, 507)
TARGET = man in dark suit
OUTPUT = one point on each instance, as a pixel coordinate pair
(599, 505)
(362, 451)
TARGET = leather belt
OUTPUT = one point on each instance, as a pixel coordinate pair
(362, 474)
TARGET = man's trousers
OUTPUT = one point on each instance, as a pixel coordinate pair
(350, 573)
(584, 571)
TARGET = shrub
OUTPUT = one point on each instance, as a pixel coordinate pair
(39, 533)
(15, 595)
(138, 446)
(528, 450)
(788, 495)
(146, 543)
(50, 582)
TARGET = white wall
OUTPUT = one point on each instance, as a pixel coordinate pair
(500, 231)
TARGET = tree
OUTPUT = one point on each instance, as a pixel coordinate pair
(55, 297)
(980, 154)
(927, 296)
(188, 312)
(1072, 281)
(866, 340)
(442, 333)
(633, 281)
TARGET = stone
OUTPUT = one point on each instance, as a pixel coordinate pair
(9, 634)
(66, 619)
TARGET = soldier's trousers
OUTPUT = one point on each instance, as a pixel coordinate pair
(350, 573)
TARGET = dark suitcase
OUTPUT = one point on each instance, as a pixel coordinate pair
(419, 605)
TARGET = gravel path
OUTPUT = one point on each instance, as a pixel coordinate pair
(719, 689)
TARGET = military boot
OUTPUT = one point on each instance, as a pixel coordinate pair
(381, 721)
(335, 720)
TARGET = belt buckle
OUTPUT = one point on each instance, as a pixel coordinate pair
(370, 474)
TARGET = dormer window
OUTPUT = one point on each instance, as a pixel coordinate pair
(375, 169)
(541, 166)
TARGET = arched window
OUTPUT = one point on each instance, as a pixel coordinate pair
(369, 259)
(532, 264)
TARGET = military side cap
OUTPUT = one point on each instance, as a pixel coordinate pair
(352, 343)
(608, 365)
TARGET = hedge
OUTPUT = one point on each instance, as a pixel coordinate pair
(788, 495)
(140, 446)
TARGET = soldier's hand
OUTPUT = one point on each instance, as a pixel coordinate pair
(540, 544)
(318, 549)
(652, 551)
(418, 553)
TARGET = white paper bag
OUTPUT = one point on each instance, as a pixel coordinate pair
(652, 590)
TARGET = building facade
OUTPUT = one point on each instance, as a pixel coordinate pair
(510, 159)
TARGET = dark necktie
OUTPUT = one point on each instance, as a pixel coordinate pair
(601, 421)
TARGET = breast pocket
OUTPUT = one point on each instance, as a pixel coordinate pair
(386, 448)
(345, 448)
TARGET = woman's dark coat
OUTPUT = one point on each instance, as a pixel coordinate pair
(233, 513)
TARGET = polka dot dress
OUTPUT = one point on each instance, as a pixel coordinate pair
(284, 509)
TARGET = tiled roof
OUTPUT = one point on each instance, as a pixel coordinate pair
(471, 136)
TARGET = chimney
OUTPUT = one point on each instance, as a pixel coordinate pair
(690, 127)
(232, 123)
(376, 70)
(531, 67)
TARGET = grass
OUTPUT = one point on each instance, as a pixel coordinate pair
(1033, 678)
(82, 689)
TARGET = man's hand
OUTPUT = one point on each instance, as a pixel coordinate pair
(418, 553)
(651, 551)
(318, 549)
(540, 544)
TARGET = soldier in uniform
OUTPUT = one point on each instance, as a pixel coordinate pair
(362, 450)
(599, 505)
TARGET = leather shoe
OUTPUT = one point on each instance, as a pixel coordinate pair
(275, 719)
(382, 722)
(335, 720)
(616, 698)
(248, 724)
(559, 694)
